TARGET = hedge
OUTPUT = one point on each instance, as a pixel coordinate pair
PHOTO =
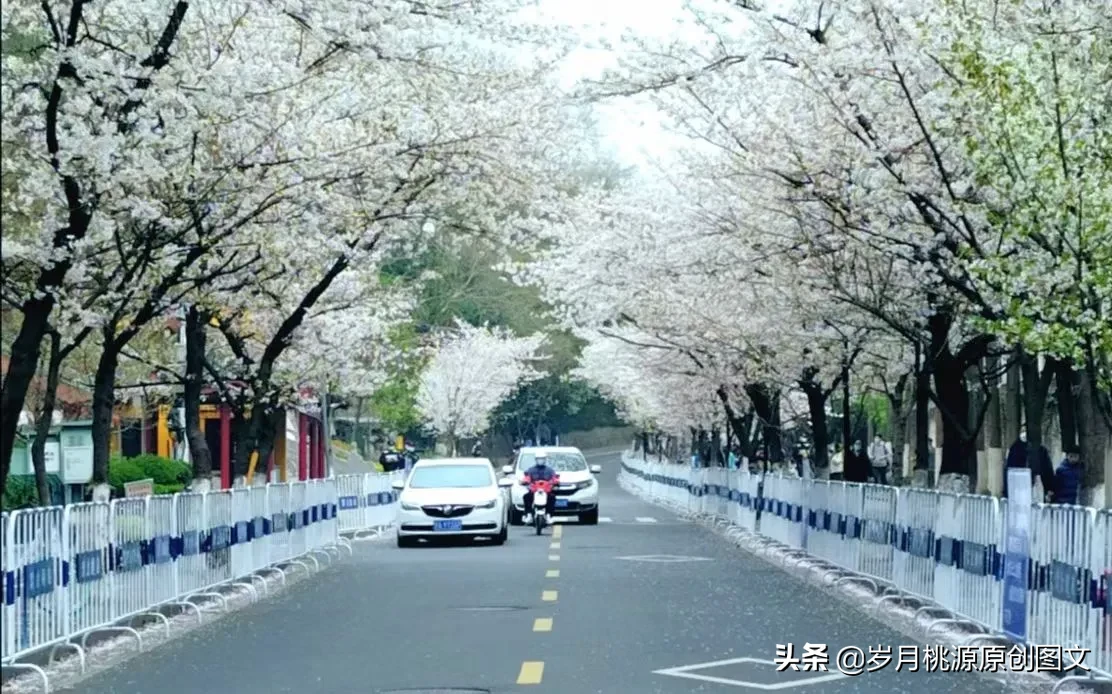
(170, 476)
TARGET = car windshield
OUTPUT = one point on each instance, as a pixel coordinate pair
(560, 462)
(451, 476)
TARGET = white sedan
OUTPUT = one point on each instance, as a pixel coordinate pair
(452, 497)
(577, 493)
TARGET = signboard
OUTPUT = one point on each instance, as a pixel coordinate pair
(52, 456)
(139, 488)
(77, 453)
(21, 458)
(1016, 554)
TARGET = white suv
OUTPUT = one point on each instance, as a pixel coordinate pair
(577, 493)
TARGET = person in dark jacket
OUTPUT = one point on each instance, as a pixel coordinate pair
(1067, 478)
(1018, 458)
(857, 465)
(540, 471)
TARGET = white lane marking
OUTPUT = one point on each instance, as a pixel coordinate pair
(605, 519)
(664, 558)
(687, 672)
(645, 519)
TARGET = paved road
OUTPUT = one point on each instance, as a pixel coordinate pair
(567, 613)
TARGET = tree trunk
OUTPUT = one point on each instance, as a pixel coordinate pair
(46, 418)
(1011, 406)
(816, 407)
(949, 382)
(1066, 395)
(923, 443)
(949, 372)
(897, 422)
(357, 434)
(766, 406)
(978, 401)
(1095, 439)
(847, 413)
(274, 419)
(199, 453)
(23, 361)
(1036, 388)
(994, 434)
(246, 428)
(22, 364)
(104, 404)
(738, 425)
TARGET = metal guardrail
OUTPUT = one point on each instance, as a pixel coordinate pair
(70, 572)
(948, 550)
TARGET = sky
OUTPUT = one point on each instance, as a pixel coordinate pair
(634, 133)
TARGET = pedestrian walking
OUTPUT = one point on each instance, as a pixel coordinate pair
(1042, 468)
(857, 463)
(880, 459)
(1067, 478)
(837, 464)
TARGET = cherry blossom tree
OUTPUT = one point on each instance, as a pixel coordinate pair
(278, 146)
(472, 371)
(826, 167)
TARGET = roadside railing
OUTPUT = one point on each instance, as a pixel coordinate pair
(949, 551)
(74, 571)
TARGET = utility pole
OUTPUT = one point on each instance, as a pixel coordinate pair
(326, 431)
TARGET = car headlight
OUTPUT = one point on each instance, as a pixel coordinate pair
(585, 485)
(488, 504)
(407, 506)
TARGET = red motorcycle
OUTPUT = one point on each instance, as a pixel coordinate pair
(541, 489)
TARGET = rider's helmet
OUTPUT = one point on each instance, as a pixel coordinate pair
(542, 458)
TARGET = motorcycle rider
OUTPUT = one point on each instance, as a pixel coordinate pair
(540, 471)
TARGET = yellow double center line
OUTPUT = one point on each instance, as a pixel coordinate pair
(532, 671)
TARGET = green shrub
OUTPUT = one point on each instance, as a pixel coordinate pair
(170, 476)
(20, 493)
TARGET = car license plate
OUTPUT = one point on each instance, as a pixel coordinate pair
(447, 525)
(561, 503)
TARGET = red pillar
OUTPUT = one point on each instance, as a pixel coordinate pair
(302, 447)
(320, 454)
(225, 447)
(318, 449)
(312, 424)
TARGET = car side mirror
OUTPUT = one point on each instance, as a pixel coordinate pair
(595, 469)
(507, 469)
(398, 485)
(506, 482)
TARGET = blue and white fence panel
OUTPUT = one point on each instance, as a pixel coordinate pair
(69, 571)
(125, 560)
(1101, 568)
(161, 534)
(1062, 597)
(913, 563)
(365, 501)
(37, 572)
(946, 548)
